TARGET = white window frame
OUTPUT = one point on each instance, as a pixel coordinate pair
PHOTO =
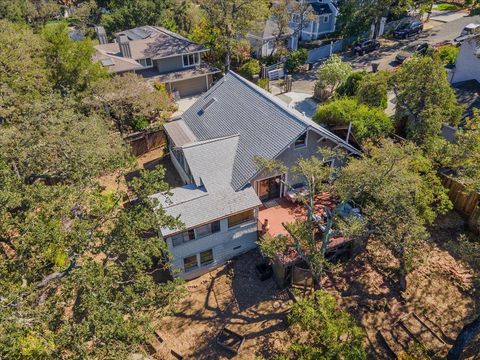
(192, 268)
(198, 259)
(297, 147)
(146, 66)
(196, 59)
(208, 263)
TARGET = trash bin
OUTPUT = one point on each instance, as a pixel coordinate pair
(375, 66)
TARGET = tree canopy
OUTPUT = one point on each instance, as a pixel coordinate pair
(425, 99)
(130, 101)
(77, 265)
(330, 333)
(400, 194)
(368, 122)
(331, 74)
(233, 19)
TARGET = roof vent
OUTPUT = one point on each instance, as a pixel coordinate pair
(207, 105)
(107, 62)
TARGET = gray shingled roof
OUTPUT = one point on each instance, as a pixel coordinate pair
(321, 9)
(179, 133)
(265, 125)
(211, 197)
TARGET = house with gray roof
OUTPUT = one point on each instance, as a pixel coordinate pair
(159, 55)
(263, 42)
(322, 20)
(214, 146)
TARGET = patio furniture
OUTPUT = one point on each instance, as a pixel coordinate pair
(294, 194)
(230, 340)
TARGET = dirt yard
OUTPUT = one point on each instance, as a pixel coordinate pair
(442, 296)
(234, 297)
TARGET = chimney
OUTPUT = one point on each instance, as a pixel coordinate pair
(124, 46)
(101, 34)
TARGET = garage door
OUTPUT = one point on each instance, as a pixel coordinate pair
(190, 87)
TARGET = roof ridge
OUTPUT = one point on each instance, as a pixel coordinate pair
(173, 34)
(299, 117)
(269, 96)
(208, 141)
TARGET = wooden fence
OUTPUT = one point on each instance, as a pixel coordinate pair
(143, 141)
(468, 204)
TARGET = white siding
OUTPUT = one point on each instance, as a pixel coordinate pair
(225, 245)
(467, 66)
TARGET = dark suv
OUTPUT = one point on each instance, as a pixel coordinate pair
(365, 46)
(409, 29)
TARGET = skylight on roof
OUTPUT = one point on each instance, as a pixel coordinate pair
(207, 105)
(107, 62)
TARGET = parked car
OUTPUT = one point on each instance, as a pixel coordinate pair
(365, 46)
(420, 49)
(409, 29)
(468, 30)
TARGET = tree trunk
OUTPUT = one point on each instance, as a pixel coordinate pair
(467, 333)
(403, 274)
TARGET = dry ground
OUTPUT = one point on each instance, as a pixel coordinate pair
(442, 293)
(230, 296)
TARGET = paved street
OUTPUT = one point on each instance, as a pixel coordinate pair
(437, 31)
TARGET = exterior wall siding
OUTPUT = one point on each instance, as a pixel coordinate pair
(190, 87)
(290, 156)
(467, 66)
(183, 175)
(225, 244)
(166, 65)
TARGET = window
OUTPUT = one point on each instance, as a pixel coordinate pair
(208, 229)
(145, 62)
(301, 141)
(191, 59)
(326, 18)
(190, 263)
(241, 218)
(206, 257)
(183, 237)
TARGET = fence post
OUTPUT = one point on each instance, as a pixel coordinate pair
(331, 47)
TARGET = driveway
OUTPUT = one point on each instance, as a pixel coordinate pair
(447, 16)
(300, 101)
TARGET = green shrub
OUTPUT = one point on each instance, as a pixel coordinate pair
(250, 68)
(140, 124)
(350, 86)
(296, 59)
(447, 7)
(264, 84)
(368, 122)
(372, 90)
(448, 54)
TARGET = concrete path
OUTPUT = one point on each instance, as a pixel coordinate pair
(184, 104)
(448, 16)
(302, 102)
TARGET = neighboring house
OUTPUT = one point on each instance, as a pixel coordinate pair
(467, 66)
(264, 42)
(324, 13)
(214, 146)
(468, 95)
(157, 54)
(465, 79)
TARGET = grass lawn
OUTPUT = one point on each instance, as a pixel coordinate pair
(446, 7)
